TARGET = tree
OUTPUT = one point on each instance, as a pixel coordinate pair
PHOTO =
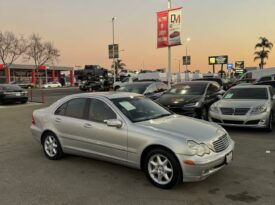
(266, 46)
(11, 48)
(118, 65)
(41, 53)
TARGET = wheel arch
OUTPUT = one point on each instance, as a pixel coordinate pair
(44, 133)
(151, 147)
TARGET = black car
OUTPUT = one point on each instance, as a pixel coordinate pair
(12, 93)
(218, 80)
(152, 90)
(192, 98)
(271, 83)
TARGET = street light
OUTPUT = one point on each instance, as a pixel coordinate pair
(186, 54)
(113, 30)
(178, 78)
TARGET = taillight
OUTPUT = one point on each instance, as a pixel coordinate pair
(33, 120)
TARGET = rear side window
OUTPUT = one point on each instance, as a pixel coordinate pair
(74, 108)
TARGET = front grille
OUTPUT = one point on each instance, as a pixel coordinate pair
(221, 144)
(234, 122)
(234, 111)
(227, 111)
(241, 111)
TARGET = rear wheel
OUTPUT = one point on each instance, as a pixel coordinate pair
(162, 168)
(116, 88)
(51, 146)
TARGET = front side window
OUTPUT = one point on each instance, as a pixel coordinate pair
(99, 111)
(76, 107)
(139, 109)
(151, 89)
(188, 89)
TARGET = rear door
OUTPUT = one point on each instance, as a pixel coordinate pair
(69, 120)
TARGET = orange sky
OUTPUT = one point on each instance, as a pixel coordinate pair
(81, 29)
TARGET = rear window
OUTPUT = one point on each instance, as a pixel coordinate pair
(247, 93)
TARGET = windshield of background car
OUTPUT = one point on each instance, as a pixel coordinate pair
(247, 93)
(139, 109)
(12, 88)
(134, 88)
(188, 89)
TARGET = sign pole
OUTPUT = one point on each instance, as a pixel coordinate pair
(169, 53)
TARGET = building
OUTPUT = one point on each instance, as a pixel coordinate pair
(28, 73)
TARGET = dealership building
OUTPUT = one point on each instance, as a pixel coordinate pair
(28, 73)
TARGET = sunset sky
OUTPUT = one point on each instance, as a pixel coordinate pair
(82, 29)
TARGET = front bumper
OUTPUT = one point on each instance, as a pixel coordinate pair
(190, 111)
(204, 166)
(253, 121)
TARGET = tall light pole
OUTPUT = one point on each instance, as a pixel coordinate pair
(113, 30)
(186, 53)
(169, 53)
(178, 79)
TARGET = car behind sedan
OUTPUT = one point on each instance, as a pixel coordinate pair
(134, 131)
(191, 98)
(12, 94)
(245, 106)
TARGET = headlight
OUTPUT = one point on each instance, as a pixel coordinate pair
(198, 149)
(214, 108)
(196, 104)
(259, 109)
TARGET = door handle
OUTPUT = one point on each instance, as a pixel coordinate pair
(57, 120)
(87, 125)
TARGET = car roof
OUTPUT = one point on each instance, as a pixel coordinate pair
(195, 82)
(251, 86)
(109, 95)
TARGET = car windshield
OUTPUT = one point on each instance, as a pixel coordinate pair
(134, 88)
(188, 89)
(139, 109)
(247, 93)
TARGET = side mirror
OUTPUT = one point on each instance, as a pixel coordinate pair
(114, 123)
(273, 97)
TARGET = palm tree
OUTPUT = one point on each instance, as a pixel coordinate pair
(118, 65)
(261, 55)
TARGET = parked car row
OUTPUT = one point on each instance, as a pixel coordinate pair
(12, 93)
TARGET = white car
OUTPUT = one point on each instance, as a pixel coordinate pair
(52, 85)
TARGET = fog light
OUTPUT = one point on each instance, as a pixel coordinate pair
(262, 122)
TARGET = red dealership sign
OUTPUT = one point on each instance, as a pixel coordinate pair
(1, 66)
(169, 28)
(42, 67)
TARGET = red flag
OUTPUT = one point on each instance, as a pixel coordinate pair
(162, 29)
(1, 66)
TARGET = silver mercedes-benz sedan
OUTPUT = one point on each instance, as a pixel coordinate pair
(245, 106)
(132, 130)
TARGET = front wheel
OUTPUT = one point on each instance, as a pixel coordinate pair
(269, 127)
(162, 168)
(51, 146)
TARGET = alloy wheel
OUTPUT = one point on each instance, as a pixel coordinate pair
(51, 146)
(160, 169)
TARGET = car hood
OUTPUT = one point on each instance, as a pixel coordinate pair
(240, 103)
(184, 127)
(172, 100)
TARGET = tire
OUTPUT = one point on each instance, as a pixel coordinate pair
(24, 101)
(162, 168)
(269, 127)
(204, 114)
(51, 146)
(116, 88)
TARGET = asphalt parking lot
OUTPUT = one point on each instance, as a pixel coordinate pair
(27, 177)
